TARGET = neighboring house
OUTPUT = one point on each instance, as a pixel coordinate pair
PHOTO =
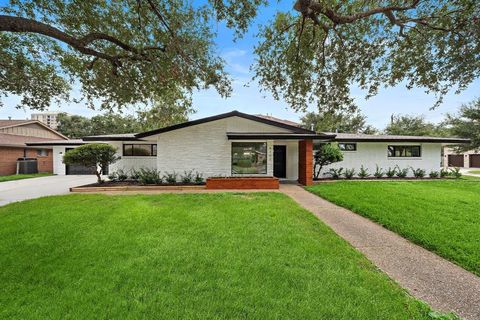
(48, 118)
(13, 137)
(468, 159)
(239, 144)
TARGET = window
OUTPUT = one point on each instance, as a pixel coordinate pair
(404, 151)
(249, 157)
(42, 152)
(347, 146)
(140, 150)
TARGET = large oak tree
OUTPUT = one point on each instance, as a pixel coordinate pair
(126, 52)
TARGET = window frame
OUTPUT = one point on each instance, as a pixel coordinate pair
(249, 174)
(39, 152)
(403, 146)
(354, 144)
(153, 149)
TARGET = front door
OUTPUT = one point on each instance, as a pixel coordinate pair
(280, 161)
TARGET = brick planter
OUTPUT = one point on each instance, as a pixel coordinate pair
(243, 183)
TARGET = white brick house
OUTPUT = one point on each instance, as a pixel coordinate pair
(236, 144)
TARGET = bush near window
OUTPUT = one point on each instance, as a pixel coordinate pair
(390, 173)
(455, 172)
(94, 155)
(378, 172)
(401, 173)
(363, 173)
(335, 173)
(433, 174)
(349, 173)
(327, 154)
(170, 177)
(418, 173)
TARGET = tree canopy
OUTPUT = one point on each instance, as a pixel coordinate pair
(466, 124)
(127, 52)
(335, 121)
(414, 125)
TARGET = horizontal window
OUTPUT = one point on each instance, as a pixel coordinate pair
(140, 150)
(347, 146)
(404, 151)
(249, 158)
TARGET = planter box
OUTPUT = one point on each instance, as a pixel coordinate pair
(243, 183)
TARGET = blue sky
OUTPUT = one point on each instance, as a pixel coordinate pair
(239, 56)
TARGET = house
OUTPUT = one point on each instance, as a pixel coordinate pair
(467, 159)
(239, 144)
(13, 137)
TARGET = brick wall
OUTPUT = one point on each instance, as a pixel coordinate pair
(9, 156)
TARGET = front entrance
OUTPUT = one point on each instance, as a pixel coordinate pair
(78, 169)
(280, 161)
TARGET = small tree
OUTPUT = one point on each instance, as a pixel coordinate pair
(327, 154)
(95, 155)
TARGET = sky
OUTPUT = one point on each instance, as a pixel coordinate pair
(247, 96)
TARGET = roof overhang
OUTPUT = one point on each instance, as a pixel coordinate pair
(55, 143)
(277, 136)
(107, 138)
(410, 140)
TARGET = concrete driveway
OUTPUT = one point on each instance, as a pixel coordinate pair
(19, 190)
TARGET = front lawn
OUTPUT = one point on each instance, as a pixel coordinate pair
(203, 256)
(443, 216)
(23, 176)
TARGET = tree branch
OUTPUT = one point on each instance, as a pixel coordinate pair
(24, 25)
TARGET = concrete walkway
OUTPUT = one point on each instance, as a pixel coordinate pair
(442, 284)
(18, 190)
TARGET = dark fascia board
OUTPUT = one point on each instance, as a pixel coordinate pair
(100, 138)
(452, 141)
(234, 113)
(58, 143)
(279, 136)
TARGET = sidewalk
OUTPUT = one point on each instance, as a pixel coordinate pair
(440, 283)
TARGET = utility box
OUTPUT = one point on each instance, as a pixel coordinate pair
(27, 165)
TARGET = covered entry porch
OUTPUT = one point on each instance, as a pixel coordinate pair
(289, 155)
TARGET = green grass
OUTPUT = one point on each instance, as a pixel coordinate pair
(185, 256)
(443, 216)
(474, 171)
(23, 176)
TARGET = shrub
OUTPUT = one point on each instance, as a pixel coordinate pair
(198, 179)
(401, 173)
(349, 173)
(112, 176)
(187, 177)
(170, 177)
(121, 175)
(418, 173)
(335, 173)
(433, 174)
(444, 173)
(149, 176)
(363, 173)
(455, 172)
(327, 154)
(390, 172)
(378, 172)
(134, 175)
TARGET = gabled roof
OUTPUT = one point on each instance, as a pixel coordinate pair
(359, 137)
(17, 123)
(234, 113)
(284, 121)
(14, 140)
